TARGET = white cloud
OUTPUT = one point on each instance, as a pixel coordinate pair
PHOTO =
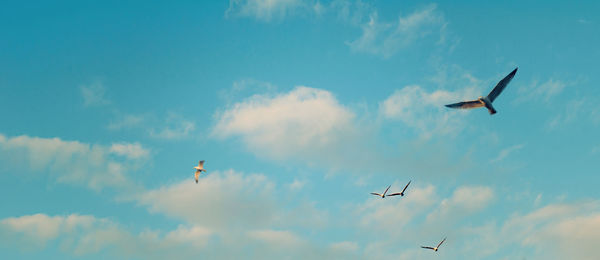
(392, 215)
(561, 231)
(263, 10)
(386, 39)
(276, 238)
(170, 127)
(93, 95)
(297, 185)
(129, 150)
(465, 201)
(351, 12)
(424, 111)
(542, 91)
(81, 235)
(305, 122)
(175, 127)
(222, 200)
(127, 121)
(96, 166)
(507, 151)
(348, 246)
(571, 112)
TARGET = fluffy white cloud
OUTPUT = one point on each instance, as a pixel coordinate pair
(228, 201)
(84, 235)
(561, 231)
(220, 200)
(41, 228)
(131, 151)
(96, 166)
(305, 122)
(386, 39)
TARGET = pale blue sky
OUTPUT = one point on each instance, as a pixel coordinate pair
(300, 109)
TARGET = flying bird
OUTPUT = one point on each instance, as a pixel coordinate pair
(199, 169)
(382, 195)
(400, 193)
(434, 248)
(486, 101)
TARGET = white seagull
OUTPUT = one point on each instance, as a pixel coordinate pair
(199, 169)
(434, 248)
(400, 193)
(486, 101)
(382, 195)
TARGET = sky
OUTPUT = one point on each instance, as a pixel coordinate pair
(300, 110)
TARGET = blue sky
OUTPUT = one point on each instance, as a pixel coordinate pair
(300, 109)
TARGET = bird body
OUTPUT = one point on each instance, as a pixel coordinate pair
(383, 194)
(436, 247)
(199, 170)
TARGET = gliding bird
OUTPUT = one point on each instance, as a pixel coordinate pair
(434, 248)
(486, 101)
(199, 169)
(382, 195)
(400, 193)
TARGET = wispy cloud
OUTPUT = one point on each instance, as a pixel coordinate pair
(507, 151)
(556, 230)
(93, 95)
(583, 21)
(173, 126)
(92, 165)
(424, 111)
(387, 38)
(465, 201)
(545, 91)
(263, 10)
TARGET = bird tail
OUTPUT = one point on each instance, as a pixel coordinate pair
(490, 108)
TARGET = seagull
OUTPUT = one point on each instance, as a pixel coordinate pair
(434, 248)
(199, 169)
(486, 101)
(382, 195)
(400, 193)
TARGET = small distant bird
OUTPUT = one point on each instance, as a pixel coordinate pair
(382, 195)
(486, 101)
(199, 169)
(434, 248)
(400, 193)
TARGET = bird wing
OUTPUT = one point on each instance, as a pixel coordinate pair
(387, 189)
(427, 247)
(441, 243)
(201, 163)
(394, 194)
(374, 193)
(501, 85)
(466, 104)
(406, 186)
(196, 176)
